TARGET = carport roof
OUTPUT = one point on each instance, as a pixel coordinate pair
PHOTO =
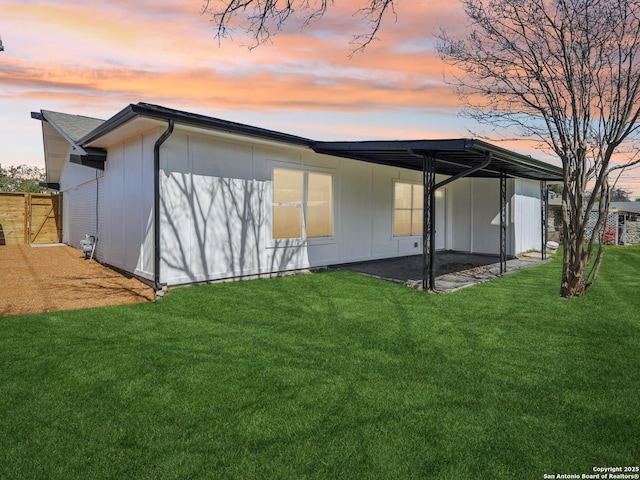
(452, 157)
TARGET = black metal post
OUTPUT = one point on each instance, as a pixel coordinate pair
(503, 222)
(428, 223)
(544, 217)
(432, 234)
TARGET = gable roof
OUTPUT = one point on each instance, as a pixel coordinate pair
(74, 127)
(453, 156)
(60, 135)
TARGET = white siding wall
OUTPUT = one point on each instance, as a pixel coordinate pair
(476, 216)
(461, 207)
(486, 216)
(527, 216)
(80, 214)
(82, 192)
(216, 210)
(128, 206)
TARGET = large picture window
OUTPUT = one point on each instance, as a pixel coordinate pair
(408, 200)
(302, 204)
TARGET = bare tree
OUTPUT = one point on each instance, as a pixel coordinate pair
(566, 73)
(262, 18)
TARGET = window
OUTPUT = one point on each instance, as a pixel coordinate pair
(408, 200)
(302, 204)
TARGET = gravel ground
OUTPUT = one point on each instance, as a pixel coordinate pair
(52, 278)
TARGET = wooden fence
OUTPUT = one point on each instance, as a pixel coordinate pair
(30, 218)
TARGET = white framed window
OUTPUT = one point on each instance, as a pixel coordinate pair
(408, 201)
(302, 204)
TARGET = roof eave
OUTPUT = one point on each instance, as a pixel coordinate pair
(195, 120)
(399, 153)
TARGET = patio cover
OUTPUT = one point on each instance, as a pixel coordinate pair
(451, 157)
(456, 158)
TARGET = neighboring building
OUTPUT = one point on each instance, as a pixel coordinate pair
(175, 198)
(622, 226)
(628, 224)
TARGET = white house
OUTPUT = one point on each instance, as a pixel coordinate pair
(176, 198)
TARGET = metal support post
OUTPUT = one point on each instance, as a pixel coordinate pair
(503, 222)
(428, 223)
(544, 217)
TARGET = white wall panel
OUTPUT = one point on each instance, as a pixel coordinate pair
(441, 218)
(527, 216)
(81, 212)
(73, 175)
(146, 260)
(461, 218)
(356, 211)
(176, 214)
(382, 243)
(485, 211)
(132, 204)
(127, 236)
(114, 206)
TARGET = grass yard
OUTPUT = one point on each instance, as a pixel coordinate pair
(331, 375)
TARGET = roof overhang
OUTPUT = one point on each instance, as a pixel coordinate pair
(452, 157)
(60, 145)
(143, 117)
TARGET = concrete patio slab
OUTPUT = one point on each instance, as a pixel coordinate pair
(454, 270)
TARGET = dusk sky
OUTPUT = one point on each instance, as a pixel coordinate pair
(95, 57)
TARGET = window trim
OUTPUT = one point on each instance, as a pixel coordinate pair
(412, 183)
(304, 240)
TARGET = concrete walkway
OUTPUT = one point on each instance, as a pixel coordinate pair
(454, 270)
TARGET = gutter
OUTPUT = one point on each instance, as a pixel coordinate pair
(156, 206)
(159, 113)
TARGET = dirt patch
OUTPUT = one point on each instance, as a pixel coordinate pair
(53, 278)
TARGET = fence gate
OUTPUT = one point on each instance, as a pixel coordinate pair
(30, 218)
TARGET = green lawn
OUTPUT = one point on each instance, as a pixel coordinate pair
(331, 375)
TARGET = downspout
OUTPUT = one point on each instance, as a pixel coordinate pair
(156, 206)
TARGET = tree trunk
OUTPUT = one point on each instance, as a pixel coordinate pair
(579, 267)
(574, 282)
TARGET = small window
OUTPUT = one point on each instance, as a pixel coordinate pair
(408, 200)
(302, 204)
(287, 204)
(319, 205)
